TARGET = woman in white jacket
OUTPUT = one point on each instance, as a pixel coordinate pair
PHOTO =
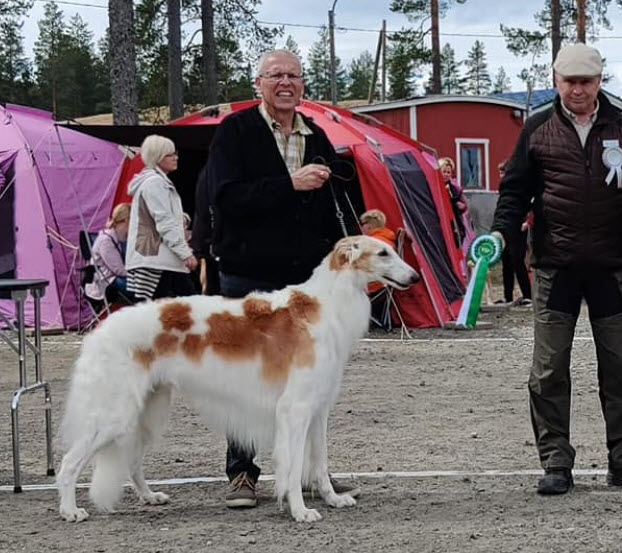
(158, 258)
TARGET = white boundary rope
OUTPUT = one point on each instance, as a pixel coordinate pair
(339, 475)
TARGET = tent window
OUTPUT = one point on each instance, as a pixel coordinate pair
(472, 155)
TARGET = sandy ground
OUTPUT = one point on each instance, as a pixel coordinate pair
(447, 406)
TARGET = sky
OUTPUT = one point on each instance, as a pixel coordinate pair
(360, 21)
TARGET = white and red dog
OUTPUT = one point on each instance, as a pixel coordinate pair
(264, 369)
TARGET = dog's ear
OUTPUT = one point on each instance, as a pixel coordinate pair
(344, 254)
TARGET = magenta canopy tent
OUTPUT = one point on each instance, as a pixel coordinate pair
(54, 182)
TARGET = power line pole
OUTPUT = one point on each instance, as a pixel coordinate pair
(383, 36)
(333, 71)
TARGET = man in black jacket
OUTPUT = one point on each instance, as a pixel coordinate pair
(568, 160)
(274, 212)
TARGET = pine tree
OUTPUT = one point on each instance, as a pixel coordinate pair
(476, 79)
(450, 71)
(318, 74)
(360, 76)
(502, 82)
(14, 66)
(401, 70)
(51, 74)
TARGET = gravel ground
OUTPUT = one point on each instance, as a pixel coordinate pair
(446, 407)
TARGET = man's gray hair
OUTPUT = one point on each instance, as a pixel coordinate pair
(155, 148)
(282, 52)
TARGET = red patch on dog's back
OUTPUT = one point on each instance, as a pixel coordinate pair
(176, 316)
(280, 337)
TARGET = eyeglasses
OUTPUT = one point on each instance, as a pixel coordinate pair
(173, 154)
(279, 77)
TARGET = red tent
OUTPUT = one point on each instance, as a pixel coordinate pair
(396, 175)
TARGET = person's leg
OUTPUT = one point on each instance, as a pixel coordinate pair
(604, 299)
(508, 274)
(557, 300)
(519, 250)
(240, 460)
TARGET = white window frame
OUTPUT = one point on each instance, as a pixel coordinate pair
(486, 143)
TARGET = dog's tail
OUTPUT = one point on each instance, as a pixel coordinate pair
(110, 472)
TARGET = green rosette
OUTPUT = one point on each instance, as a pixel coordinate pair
(488, 247)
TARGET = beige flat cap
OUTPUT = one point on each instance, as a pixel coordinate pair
(578, 60)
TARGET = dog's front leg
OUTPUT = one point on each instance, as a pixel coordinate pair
(318, 458)
(292, 427)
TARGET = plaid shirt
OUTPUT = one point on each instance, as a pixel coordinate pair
(292, 147)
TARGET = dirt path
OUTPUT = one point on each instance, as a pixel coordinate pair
(446, 401)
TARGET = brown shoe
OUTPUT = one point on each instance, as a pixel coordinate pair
(242, 492)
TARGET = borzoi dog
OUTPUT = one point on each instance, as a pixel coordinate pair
(264, 369)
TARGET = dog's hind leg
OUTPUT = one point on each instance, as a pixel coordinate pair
(151, 425)
(318, 459)
(74, 461)
(292, 422)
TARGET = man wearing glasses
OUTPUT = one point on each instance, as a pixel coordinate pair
(274, 213)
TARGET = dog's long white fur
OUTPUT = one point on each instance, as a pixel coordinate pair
(115, 408)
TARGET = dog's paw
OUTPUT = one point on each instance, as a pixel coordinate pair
(155, 498)
(307, 515)
(342, 500)
(74, 515)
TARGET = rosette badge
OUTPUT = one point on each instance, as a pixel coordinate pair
(486, 247)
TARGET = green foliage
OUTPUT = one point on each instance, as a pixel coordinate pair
(477, 78)
(359, 78)
(502, 82)
(595, 15)
(318, 84)
(450, 71)
(15, 75)
(417, 10)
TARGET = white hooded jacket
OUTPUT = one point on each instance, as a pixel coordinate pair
(156, 238)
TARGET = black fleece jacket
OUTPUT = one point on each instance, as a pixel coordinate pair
(263, 228)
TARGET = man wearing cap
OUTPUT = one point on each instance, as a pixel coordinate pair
(568, 162)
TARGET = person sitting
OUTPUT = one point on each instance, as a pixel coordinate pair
(107, 256)
(373, 223)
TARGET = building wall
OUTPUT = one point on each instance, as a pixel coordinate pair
(440, 124)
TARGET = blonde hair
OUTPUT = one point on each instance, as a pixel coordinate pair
(447, 162)
(375, 218)
(155, 148)
(120, 213)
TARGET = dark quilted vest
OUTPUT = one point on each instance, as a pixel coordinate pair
(578, 217)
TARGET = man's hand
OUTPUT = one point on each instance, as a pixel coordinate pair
(310, 177)
(498, 235)
(191, 263)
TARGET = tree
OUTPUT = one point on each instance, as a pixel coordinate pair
(124, 92)
(450, 71)
(318, 75)
(15, 9)
(476, 79)
(208, 52)
(15, 79)
(51, 73)
(420, 11)
(175, 71)
(401, 71)
(359, 76)
(502, 82)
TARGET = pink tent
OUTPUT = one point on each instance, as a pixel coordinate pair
(54, 182)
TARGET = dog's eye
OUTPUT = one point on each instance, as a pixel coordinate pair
(383, 253)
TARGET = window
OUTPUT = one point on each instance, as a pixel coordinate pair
(472, 156)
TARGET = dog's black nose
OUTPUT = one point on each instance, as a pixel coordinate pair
(414, 278)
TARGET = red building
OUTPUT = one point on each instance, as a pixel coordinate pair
(477, 132)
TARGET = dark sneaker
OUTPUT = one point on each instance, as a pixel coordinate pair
(242, 492)
(522, 302)
(614, 478)
(556, 482)
(350, 487)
